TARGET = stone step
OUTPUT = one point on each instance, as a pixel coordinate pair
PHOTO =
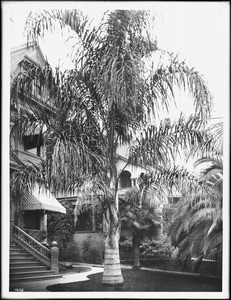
(35, 278)
(27, 269)
(31, 274)
(20, 255)
(17, 251)
(21, 263)
(14, 250)
(24, 267)
(22, 259)
(15, 247)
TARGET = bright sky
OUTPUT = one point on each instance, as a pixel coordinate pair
(197, 31)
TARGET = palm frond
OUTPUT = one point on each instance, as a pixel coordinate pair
(212, 146)
(206, 213)
(217, 221)
(39, 22)
(214, 240)
(25, 177)
(184, 249)
(161, 81)
(156, 143)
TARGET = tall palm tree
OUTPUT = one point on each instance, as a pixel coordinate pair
(197, 228)
(105, 100)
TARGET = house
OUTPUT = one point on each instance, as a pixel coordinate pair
(30, 213)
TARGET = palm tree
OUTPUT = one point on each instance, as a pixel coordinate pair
(197, 228)
(104, 101)
(141, 213)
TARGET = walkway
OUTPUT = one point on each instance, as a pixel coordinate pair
(40, 285)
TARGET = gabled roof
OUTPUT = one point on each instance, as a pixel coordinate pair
(31, 52)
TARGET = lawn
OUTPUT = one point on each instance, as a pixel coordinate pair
(144, 280)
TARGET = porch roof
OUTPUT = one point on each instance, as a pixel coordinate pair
(40, 198)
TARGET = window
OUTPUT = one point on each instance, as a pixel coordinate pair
(33, 143)
(84, 222)
(125, 179)
(32, 219)
(90, 218)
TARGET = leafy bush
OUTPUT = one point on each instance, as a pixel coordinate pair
(152, 249)
(86, 244)
(64, 267)
(149, 249)
(70, 253)
(92, 253)
(94, 256)
(126, 248)
(61, 227)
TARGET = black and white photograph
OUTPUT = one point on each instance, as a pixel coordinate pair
(115, 149)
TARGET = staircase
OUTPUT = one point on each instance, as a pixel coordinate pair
(25, 267)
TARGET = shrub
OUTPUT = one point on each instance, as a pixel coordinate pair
(86, 244)
(70, 253)
(61, 227)
(149, 248)
(64, 267)
(94, 256)
(126, 249)
(92, 253)
(153, 249)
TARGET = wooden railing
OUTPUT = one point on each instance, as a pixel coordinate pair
(42, 253)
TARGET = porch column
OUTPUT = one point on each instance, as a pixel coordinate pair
(55, 257)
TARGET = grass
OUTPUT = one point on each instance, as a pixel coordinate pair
(144, 280)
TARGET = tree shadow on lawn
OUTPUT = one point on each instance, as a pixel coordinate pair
(145, 281)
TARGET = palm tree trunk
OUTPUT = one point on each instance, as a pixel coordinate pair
(136, 250)
(112, 270)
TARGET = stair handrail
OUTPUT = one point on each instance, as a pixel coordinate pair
(32, 244)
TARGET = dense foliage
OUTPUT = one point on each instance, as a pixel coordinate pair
(150, 249)
(197, 226)
(92, 252)
(61, 227)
